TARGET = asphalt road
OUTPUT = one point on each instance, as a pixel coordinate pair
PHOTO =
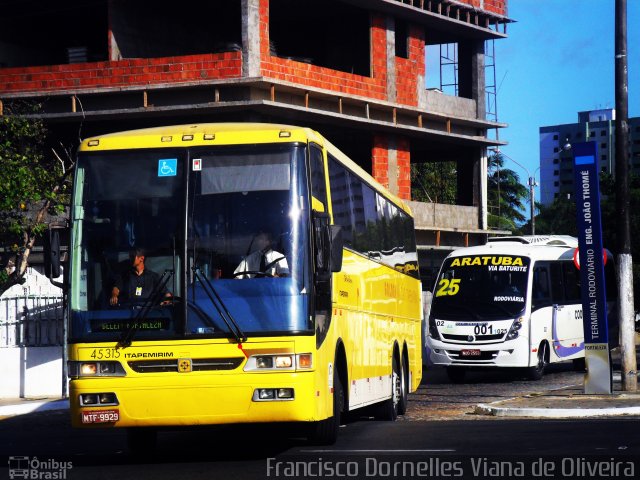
(436, 439)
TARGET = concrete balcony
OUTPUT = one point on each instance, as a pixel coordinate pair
(449, 105)
(446, 227)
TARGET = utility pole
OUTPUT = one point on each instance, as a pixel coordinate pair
(532, 202)
(624, 265)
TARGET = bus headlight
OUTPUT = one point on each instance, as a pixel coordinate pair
(273, 394)
(282, 361)
(95, 369)
(515, 327)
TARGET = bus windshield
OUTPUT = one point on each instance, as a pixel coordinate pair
(223, 232)
(481, 287)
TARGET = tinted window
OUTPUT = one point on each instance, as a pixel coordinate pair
(372, 225)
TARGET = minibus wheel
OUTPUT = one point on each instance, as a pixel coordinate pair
(537, 372)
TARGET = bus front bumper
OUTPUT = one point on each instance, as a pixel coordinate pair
(206, 400)
(512, 353)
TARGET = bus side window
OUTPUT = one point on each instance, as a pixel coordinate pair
(540, 290)
(318, 185)
(557, 286)
(571, 279)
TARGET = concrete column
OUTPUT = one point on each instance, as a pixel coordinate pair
(391, 59)
(483, 166)
(250, 38)
(471, 76)
(393, 165)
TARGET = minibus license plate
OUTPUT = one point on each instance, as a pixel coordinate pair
(470, 353)
(101, 416)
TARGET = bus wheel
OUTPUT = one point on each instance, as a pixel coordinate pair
(142, 441)
(456, 374)
(536, 372)
(388, 410)
(404, 389)
(325, 432)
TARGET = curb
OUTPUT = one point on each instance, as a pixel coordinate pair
(24, 407)
(484, 409)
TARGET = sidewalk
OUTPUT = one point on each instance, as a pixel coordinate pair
(571, 401)
(568, 402)
(22, 406)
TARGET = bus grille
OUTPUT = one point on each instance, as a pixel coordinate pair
(477, 338)
(197, 364)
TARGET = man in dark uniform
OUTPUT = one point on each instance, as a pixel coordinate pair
(138, 283)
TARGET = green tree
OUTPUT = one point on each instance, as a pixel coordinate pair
(506, 196)
(434, 182)
(33, 183)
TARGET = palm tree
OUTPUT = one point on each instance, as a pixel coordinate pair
(506, 196)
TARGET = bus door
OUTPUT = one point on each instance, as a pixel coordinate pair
(543, 309)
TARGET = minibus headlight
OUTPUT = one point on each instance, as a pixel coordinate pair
(513, 331)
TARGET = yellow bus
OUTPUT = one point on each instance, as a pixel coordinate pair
(279, 282)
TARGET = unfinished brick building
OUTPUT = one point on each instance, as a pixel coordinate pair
(352, 69)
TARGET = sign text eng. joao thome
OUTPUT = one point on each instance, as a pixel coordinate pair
(594, 299)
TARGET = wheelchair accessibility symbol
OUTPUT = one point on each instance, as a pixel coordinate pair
(168, 167)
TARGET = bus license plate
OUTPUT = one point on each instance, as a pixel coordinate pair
(470, 353)
(101, 416)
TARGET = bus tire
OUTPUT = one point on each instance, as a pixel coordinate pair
(388, 410)
(456, 374)
(404, 387)
(142, 442)
(537, 371)
(325, 432)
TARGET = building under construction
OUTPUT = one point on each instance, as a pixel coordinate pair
(355, 70)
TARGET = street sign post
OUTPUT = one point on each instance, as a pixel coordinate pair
(594, 300)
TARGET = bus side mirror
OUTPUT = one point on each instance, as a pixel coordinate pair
(328, 246)
(52, 253)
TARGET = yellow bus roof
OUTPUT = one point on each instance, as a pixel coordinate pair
(215, 134)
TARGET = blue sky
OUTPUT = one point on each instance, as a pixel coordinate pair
(558, 60)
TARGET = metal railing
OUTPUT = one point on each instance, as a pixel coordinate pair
(31, 321)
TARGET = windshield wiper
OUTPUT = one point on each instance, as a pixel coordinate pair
(127, 335)
(219, 305)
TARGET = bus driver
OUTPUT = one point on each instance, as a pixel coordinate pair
(264, 260)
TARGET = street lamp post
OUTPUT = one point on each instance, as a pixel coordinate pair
(532, 202)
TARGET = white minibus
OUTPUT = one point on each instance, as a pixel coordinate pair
(514, 302)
